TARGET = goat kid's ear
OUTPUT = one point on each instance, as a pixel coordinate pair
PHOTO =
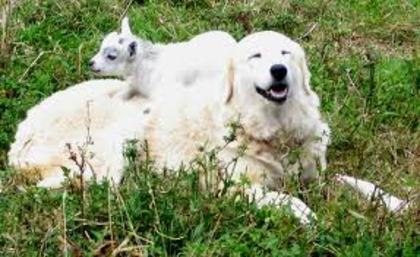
(125, 26)
(132, 48)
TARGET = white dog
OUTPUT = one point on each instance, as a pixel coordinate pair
(266, 90)
(82, 128)
(145, 64)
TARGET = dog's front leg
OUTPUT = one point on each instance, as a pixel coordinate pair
(314, 152)
(261, 173)
(371, 191)
(264, 197)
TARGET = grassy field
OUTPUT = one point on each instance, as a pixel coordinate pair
(365, 63)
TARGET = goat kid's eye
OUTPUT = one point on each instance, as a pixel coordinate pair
(284, 52)
(257, 55)
(111, 57)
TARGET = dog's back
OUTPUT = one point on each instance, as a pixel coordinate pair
(88, 116)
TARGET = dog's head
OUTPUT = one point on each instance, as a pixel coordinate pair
(268, 68)
(118, 52)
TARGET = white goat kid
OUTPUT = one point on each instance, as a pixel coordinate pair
(144, 64)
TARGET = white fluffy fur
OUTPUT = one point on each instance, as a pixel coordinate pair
(372, 192)
(69, 117)
(187, 119)
(146, 65)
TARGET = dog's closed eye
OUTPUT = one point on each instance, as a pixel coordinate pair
(284, 52)
(257, 55)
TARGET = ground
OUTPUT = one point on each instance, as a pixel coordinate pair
(364, 59)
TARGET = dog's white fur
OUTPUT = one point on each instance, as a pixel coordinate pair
(185, 120)
(145, 65)
(88, 117)
(372, 192)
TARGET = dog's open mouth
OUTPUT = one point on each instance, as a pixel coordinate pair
(276, 93)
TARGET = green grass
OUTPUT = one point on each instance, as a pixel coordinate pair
(365, 61)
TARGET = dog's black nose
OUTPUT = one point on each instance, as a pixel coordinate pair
(91, 63)
(278, 71)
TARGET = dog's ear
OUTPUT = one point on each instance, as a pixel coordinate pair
(132, 49)
(230, 80)
(306, 77)
(125, 26)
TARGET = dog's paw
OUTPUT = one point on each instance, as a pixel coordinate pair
(298, 208)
